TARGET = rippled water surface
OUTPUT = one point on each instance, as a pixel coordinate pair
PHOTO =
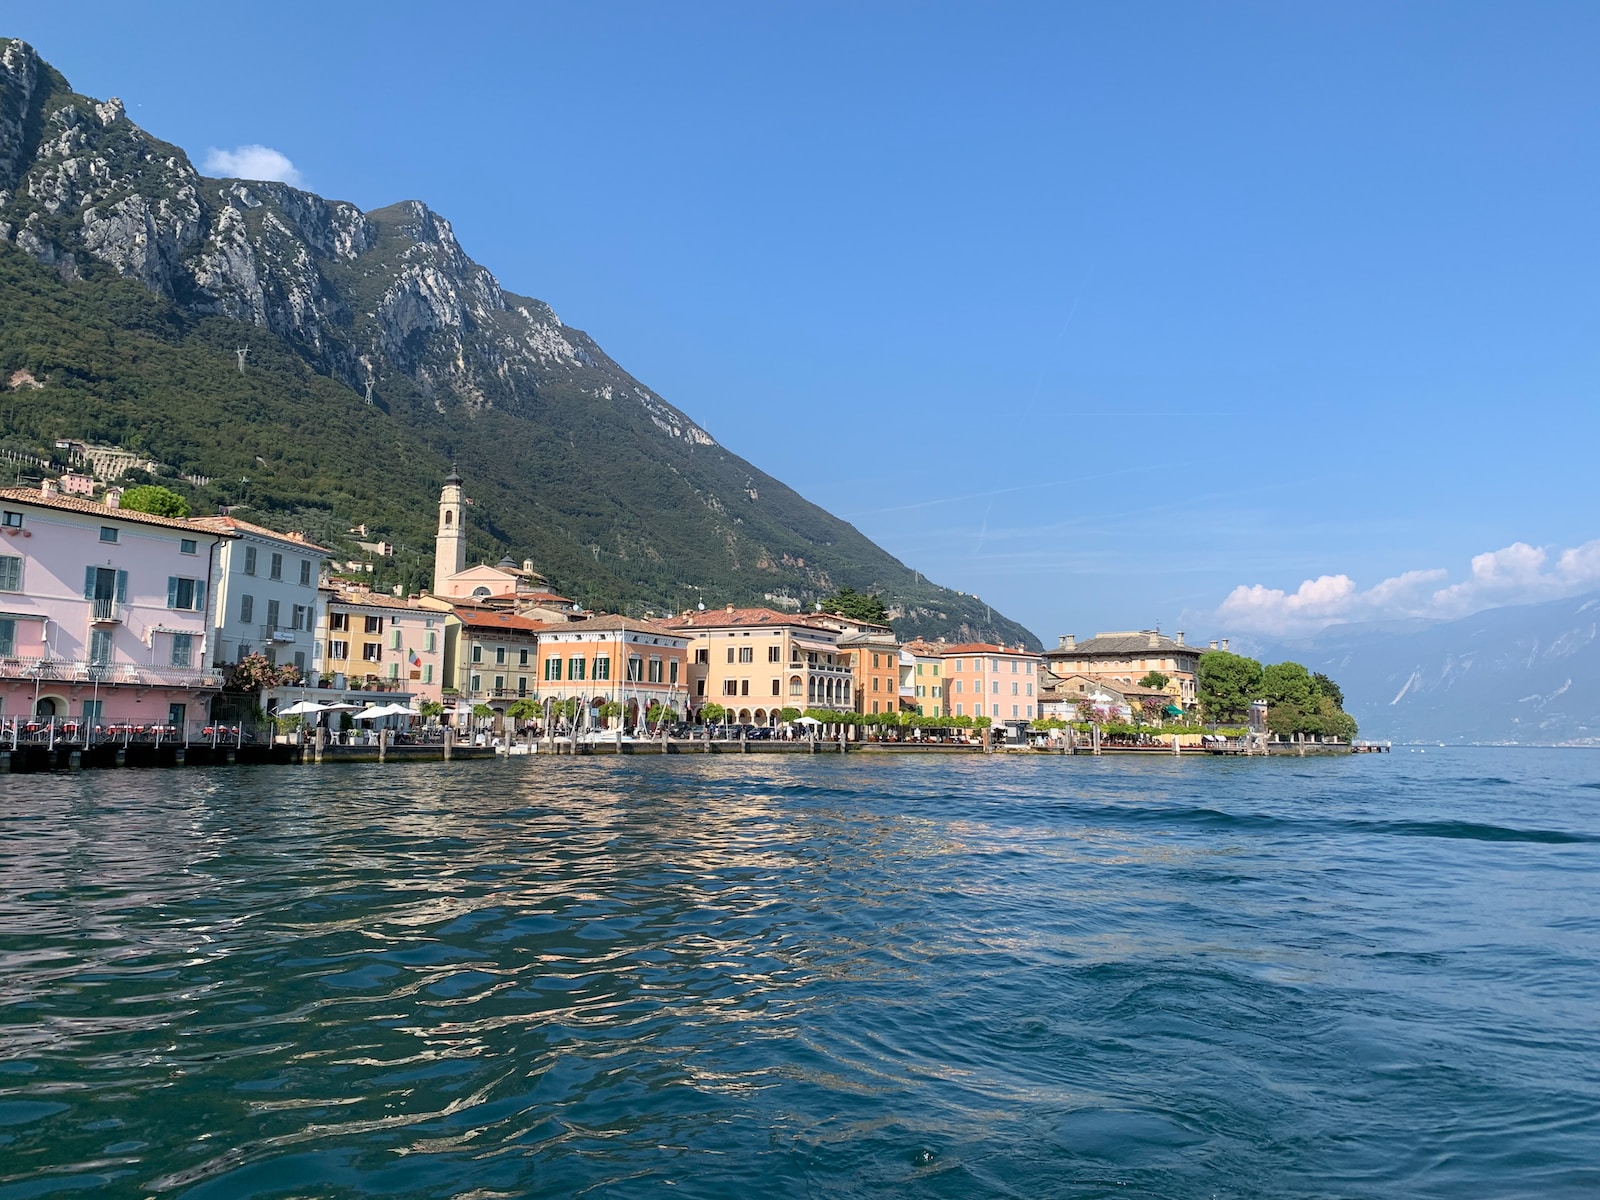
(765, 976)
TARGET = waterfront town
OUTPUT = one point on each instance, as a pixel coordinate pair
(118, 621)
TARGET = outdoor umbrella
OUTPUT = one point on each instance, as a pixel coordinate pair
(303, 708)
(373, 713)
(807, 721)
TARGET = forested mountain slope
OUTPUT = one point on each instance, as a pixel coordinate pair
(127, 280)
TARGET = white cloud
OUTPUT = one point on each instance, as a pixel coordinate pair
(1516, 574)
(251, 162)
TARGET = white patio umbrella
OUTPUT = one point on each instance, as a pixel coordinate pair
(373, 713)
(807, 721)
(340, 707)
(303, 708)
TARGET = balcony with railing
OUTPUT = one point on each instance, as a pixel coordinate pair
(107, 674)
(106, 611)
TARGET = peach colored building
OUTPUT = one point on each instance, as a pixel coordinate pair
(755, 662)
(605, 659)
(998, 682)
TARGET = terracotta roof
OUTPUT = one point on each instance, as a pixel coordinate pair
(225, 524)
(986, 648)
(95, 509)
(608, 623)
(375, 600)
(490, 619)
(718, 618)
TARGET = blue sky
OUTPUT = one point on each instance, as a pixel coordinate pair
(1117, 308)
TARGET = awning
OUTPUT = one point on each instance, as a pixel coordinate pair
(816, 647)
(1172, 710)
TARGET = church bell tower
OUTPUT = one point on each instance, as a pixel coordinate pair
(450, 544)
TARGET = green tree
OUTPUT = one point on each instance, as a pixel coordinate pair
(156, 500)
(858, 606)
(430, 709)
(1227, 685)
(526, 708)
(789, 714)
(482, 711)
(1287, 683)
(712, 713)
(611, 708)
(1327, 687)
(1155, 681)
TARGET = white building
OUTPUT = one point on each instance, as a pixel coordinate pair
(266, 598)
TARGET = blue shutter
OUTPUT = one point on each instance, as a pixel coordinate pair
(88, 583)
(199, 595)
(122, 587)
(172, 591)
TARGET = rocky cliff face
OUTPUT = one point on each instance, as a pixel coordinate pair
(388, 303)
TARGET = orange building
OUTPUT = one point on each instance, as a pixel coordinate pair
(756, 662)
(607, 659)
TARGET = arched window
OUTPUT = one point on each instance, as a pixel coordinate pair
(480, 591)
(449, 517)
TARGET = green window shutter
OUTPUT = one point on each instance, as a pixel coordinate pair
(88, 583)
(172, 591)
(122, 587)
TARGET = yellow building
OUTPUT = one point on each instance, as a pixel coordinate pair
(927, 677)
(381, 641)
(755, 662)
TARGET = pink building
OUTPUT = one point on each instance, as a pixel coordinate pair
(103, 613)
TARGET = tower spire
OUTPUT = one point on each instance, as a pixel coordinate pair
(450, 543)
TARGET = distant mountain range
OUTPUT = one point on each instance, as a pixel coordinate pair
(127, 281)
(1524, 674)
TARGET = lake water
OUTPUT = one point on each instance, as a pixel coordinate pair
(763, 976)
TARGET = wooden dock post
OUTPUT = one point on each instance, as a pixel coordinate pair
(383, 744)
(449, 741)
(320, 739)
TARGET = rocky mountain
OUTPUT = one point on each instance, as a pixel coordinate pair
(421, 359)
(1524, 674)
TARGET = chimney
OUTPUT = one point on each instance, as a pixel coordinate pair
(1069, 641)
(1179, 639)
(730, 608)
(527, 565)
(1224, 643)
(1155, 640)
(1213, 643)
(47, 487)
(114, 497)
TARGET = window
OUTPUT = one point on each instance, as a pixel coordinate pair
(499, 683)
(875, 663)
(244, 651)
(672, 673)
(635, 669)
(776, 687)
(100, 646)
(552, 668)
(995, 687)
(247, 609)
(274, 611)
(875, 682)
(249, 560)
(108, 533)
(730, 687)
(10, 574)
(747, 654)
(339, 650)
(1013, 666)
(1030, 689)
(959, 713)
(1013, 688)
(575, 668)
(700, 687)
(730, 653)
(1013, 710)
(499, 656)
(300, 661)
(12, 520)
(475, 683)
(394, 639)
(427, 672)
(92, 710)
(373, 624)
(774, 653)
(522, 685)
(702, 656)
(655, 670)
(394, 670)
(182, 649)
(187, 594)
(744, 687)
(8, 636)
(522, 656)
(794, 685)
(305, 572)
(276, 570)
(920, 689)
(187, 546)
(935, 690)
(477, 653)
(430, 643)
(338, 622)
(302, 617)
(919, 668)
(371, 651)
(602, 666)
(996, 710)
